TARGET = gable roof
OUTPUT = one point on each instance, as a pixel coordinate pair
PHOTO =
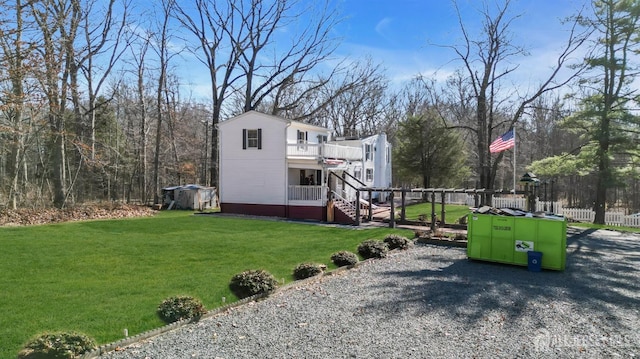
(273, 118)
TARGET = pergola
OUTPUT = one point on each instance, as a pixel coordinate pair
(480, 197)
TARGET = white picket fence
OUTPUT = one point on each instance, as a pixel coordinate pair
(578, 214)
(610, 218)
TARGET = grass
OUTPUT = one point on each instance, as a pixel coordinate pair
(100, 277)
(452, 211)
(601, 226)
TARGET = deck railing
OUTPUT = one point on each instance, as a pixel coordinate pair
(307, 193)
(323, 150)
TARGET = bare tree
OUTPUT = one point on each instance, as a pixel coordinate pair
(15, 55)
(216, 29)
(354, 104)
(161, 48)
(245, 33)
(57, 23)
(487, 63)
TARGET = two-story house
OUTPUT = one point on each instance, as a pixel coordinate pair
(271, 166)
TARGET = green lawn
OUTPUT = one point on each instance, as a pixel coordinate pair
(100, 277)
(452, 211)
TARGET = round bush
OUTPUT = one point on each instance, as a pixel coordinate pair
(252, 282)
(372, 249)
(307, 270)
(178, 308)
(344, 258)
(395, 241)
(63, 345)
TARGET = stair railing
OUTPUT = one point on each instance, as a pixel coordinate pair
(357, 207)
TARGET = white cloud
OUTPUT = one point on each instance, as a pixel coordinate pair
(383, 26)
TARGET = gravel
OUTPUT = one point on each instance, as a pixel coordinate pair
(432, 302)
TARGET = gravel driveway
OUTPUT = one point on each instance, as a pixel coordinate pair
(431, 302)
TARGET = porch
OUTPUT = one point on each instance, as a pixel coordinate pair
(307, 193)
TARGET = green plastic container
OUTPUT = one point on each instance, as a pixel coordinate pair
(508, 239)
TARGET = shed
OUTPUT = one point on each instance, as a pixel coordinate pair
(191, 196)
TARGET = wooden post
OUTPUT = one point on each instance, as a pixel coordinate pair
(403, 212)
(370, 217)
(392, 215)
(357, 208)
(433, 210)
(443, 210)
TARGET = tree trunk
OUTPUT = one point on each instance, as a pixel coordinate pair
(58, 162)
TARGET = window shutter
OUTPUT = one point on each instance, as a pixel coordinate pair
(259, 138)
(306, 136)
(244, 138)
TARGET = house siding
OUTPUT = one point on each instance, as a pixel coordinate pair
(253, 209)
(253, 176)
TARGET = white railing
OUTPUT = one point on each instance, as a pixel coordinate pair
(326, 150)
(344, 203)
(311, 150)
(342, 152)
(449, 198)
(307, 193)
(509, 202)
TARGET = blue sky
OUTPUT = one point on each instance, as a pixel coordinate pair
(402, 35)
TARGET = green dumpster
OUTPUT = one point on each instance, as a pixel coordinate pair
(507, 239)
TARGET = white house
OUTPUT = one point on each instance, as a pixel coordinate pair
(374, 169)
(271, 166)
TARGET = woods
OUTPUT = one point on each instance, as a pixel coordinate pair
(93, 106)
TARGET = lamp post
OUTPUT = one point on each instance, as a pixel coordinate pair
(530, 195)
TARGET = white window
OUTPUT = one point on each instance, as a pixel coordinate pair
(357, 173)
(322, 139)
(369, 174)
(302, 136)
(367, 152)
(252, 138)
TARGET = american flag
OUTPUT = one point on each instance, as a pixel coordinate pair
(503, 142)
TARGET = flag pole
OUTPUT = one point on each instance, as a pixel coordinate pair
(514, 161)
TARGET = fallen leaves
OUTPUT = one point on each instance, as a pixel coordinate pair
(33, 216)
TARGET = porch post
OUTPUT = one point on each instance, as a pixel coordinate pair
(370, 205)
(433, 210)
(392, 215)
(403, 212)
(357, 208)
(443, 210)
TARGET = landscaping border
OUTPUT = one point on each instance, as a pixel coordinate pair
(105, 348)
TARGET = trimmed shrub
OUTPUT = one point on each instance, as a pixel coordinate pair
(372, 248)
(307, 270)
(252, 282)
(178, 308)
(395, 241)
(63, 345)
(344, 258)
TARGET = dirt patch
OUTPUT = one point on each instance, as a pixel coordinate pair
(28, 217)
